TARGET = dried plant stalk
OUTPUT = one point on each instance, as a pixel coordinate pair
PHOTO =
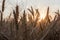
(16, 16)
(31, 11)
(3, 4)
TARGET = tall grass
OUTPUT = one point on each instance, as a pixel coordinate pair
(31, 11)
(3, 4)
(28, 30)
(1, 21)
(16, 16)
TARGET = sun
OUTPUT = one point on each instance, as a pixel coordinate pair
(41, 17)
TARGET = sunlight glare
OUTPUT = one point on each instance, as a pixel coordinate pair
(42, 16)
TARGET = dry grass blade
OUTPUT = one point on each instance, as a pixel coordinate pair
(3, 4)
(30, 17)
(47, 19)
(24, 25)
(55, 17)
(16, 21)
(57, 12)
(31, 11)
(37, 12)
(58, 18)
(48, 15)
(17, 11)
(16, 16)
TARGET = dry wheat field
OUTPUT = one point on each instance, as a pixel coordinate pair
(30, 26)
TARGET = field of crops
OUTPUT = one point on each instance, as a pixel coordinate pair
(19, 28)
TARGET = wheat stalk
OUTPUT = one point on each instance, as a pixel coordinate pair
(16, 16)
(3, 4)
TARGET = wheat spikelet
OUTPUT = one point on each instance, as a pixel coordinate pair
(16, 16)
(31, 11)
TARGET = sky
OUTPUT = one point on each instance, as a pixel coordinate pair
(24, 4)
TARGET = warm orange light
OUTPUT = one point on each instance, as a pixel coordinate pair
(42, 16)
